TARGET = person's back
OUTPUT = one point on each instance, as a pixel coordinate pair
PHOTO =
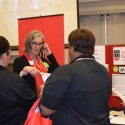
(89, 87)
(78, 93)
(16, 97)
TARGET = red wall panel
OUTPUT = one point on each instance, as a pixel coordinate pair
(114, 101)
(53, 29)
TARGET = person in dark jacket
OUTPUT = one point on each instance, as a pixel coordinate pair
(78, 93)
(30, 64)
(16, 96)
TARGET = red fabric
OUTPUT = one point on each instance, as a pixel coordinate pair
(114, 101)
(34, 117)
(40, 67)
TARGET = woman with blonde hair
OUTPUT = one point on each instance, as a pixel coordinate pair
(30, 64)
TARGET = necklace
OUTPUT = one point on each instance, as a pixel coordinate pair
(35, 59)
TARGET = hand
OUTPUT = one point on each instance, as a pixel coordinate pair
(29, 69)
(23, 73)
(114, 92)
(46, 50)
(124, 104)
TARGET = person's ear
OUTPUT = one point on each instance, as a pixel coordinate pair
(72, 49)
(4, 55)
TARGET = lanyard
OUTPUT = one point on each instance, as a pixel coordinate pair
(84, 59)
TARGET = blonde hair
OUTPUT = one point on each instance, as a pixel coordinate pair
(30, 37)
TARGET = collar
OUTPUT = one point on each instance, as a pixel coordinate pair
(84, 57)
(3, 68)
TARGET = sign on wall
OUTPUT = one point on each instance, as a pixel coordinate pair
(99, 54)
(119, 55)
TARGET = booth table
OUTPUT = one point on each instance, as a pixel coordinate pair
(117, 117)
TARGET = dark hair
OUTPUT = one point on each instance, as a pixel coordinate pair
(82, 40)
(4, 45)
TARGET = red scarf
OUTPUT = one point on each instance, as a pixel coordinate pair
(40, 67)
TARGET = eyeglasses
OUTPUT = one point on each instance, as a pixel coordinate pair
(37, 44)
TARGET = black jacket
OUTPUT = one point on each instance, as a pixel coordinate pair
(16, 98)
(20, 62)
(79, 92)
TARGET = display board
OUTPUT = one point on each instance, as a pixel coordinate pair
(116, 59)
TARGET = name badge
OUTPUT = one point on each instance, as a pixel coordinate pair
(31, 63)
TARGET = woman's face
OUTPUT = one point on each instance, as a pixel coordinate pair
(36, 45)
